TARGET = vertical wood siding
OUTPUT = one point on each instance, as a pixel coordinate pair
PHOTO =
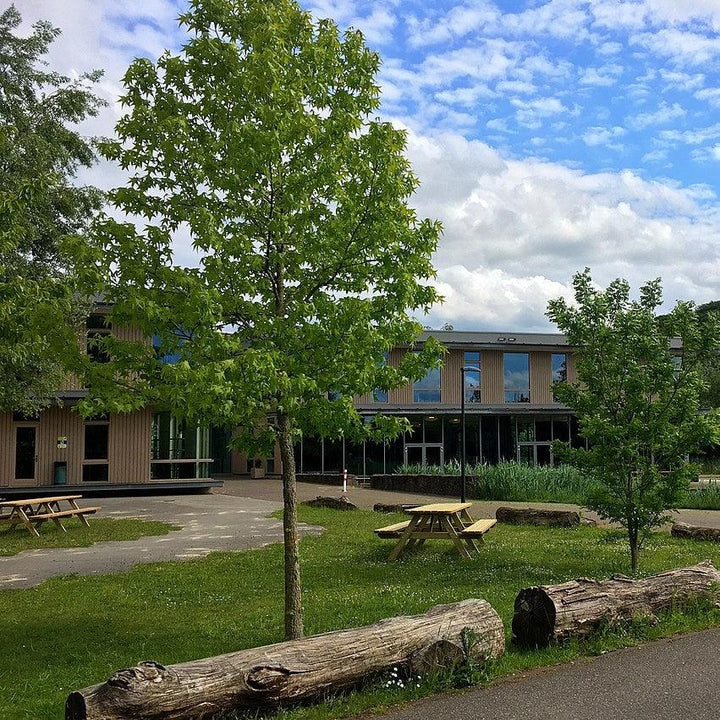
(7, 449)
(129, 447)
(58, 422)
(450, 377)
(492, 387)
(540, 378)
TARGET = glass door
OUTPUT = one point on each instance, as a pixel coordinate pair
(25, 458)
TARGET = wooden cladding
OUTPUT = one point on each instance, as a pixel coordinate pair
(60, 436)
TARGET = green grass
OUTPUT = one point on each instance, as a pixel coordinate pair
(72, 632)
(17, 539)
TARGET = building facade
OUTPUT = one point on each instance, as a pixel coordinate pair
(510, 412)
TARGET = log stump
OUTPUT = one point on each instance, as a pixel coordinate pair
(290, 671)
(697, 532)
(551, 613)
(537, 516)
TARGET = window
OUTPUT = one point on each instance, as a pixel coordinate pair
(97, 329)
(472, 377)
(559, 369)
(379, 395)
(428, 389)
(516, 373)
(180, 450)
(95, 462)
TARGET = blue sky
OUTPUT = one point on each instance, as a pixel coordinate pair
(547, 136)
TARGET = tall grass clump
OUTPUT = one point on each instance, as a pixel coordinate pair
(515, 481)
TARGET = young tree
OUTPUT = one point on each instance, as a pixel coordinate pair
(639, 381)
(257, 143)
(40, 210)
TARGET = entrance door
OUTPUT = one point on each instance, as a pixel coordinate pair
(25, 458)
(424, 455)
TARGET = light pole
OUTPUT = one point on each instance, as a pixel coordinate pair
(463, 370)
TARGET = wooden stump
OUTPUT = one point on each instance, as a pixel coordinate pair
(696, 532)
(292, 670)
(341, 503)
(537, 516)
(575, 609)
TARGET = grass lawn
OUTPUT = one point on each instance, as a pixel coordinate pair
(17, 539)
(72, 632)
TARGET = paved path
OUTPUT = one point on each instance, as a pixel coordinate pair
(271, 489)
(664, 680)
(209, 523)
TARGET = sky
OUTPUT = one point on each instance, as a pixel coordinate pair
(547, 135)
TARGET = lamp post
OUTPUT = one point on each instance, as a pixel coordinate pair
(463, 370)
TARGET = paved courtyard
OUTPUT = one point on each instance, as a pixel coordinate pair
(208, 522)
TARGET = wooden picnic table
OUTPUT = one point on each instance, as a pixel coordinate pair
(32, 512)
(438, 521)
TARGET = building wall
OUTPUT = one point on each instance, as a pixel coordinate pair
(128, 447)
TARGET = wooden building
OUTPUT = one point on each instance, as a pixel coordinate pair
(506, 380)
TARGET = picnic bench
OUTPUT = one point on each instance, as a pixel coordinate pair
(33, 512)
(438, 521)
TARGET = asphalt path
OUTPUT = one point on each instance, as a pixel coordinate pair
(668, 679)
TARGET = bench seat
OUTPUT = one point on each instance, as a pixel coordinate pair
(392, 531)
(478, 528)
(16, 519)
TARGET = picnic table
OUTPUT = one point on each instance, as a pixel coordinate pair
(438, 521)
(33, 512)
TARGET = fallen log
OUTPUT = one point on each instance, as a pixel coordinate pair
(293, 670)
(393, 507)
(340, 503)
(575, 609)
(537, 516)
(697, 532)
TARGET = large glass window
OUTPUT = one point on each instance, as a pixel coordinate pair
(180, 450)
(428, 389)
(97, 330)
(471, 363)
(379, 395)
(95, 462)
(516, 373)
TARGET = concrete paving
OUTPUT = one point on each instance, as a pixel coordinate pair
(208, 522)
(663, 680)
(271, 489)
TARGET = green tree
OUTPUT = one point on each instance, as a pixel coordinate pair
(40, 210)
(639, 382)
(257, 142)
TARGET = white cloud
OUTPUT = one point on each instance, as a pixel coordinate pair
(664, 114)
(603, 76)
(518, 219)
(603, 136)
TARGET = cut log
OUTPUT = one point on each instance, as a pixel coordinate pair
(393, 507)
(575, 609)
(537, 516)
(341, 503)
(696, 532)
(292, 670)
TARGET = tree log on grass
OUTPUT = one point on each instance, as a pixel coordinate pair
(292, 670)
(537, 516)
(575, 609)
(696, 532)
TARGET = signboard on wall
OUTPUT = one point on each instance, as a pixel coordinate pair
(62, 442)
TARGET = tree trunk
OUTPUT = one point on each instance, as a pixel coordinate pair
(537, 516)
(293, 588)
(575, 609)
(290, 671)
(697, 532)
